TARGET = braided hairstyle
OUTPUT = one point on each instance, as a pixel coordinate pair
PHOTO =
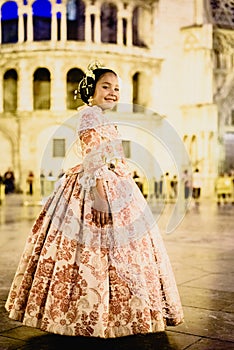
(87, 85)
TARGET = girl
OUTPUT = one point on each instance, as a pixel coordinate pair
(94, 263)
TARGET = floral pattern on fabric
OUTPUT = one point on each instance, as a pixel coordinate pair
(75, 278)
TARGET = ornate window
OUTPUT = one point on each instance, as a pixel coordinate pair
(9, 22)
(74, 76)
(136, 100)
(75, 20)
(41, 20)
(59, 148)
(223, 12)
(228, 139)
(109, 23)
(135, 97)
(10, 91)
(136, 40)
(41, 89)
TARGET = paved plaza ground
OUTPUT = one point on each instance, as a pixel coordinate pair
(201, 250)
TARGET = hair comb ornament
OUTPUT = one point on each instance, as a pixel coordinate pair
(87, 83)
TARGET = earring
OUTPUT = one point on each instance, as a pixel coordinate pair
(90, 101)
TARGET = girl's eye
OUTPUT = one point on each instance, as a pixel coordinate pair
(116, 89)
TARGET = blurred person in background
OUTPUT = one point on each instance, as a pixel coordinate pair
(187, 184)
(224, 188)
(197, 185)
(30, 182)
(174, 187)
(9, 181)
(137, 180)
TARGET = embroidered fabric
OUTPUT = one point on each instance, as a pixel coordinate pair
(75, 278)
(100, 143)
(100, 151)
(133, 240)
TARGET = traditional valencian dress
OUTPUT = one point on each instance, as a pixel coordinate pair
(78, 279)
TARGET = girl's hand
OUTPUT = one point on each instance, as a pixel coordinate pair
(100, 210)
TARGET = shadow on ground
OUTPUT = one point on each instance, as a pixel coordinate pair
(138, 342)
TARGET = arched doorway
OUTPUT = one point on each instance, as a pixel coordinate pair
(41, 89)
(136, 100)
(229, 150)
(10, 79)
(74, 76)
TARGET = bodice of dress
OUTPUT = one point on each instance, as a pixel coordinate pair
(101, 146)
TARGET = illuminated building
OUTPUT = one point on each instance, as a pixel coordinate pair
(175, 59)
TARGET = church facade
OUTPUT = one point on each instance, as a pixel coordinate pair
(175, 59)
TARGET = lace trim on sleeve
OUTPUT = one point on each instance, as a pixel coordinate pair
(90, 118)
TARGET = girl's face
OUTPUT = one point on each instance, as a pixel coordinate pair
(106, 93)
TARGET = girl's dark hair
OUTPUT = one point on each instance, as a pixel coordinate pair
(87, 85)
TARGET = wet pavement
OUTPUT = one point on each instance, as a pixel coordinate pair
(201, 250)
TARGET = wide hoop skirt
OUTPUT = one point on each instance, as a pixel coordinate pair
(77, 279)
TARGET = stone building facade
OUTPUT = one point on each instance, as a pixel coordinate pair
(174, 57)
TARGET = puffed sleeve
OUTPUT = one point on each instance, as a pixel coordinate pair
(93, 146)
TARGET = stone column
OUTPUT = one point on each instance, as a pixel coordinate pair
(97, 27)
(120, 30)
(58, 88)
(129, 29)
(63, 22)
(208, 178)
(206, 135)
(154, 18)
(54, 25)
(88, 34)
(125, 103)
(25, 88)
(20, 26)
(198, 12)
(29, 24)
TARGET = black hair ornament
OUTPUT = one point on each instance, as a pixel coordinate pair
(86, 86)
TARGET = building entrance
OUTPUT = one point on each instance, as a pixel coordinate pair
(229, 150)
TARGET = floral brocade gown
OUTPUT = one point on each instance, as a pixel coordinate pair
(75, 278)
